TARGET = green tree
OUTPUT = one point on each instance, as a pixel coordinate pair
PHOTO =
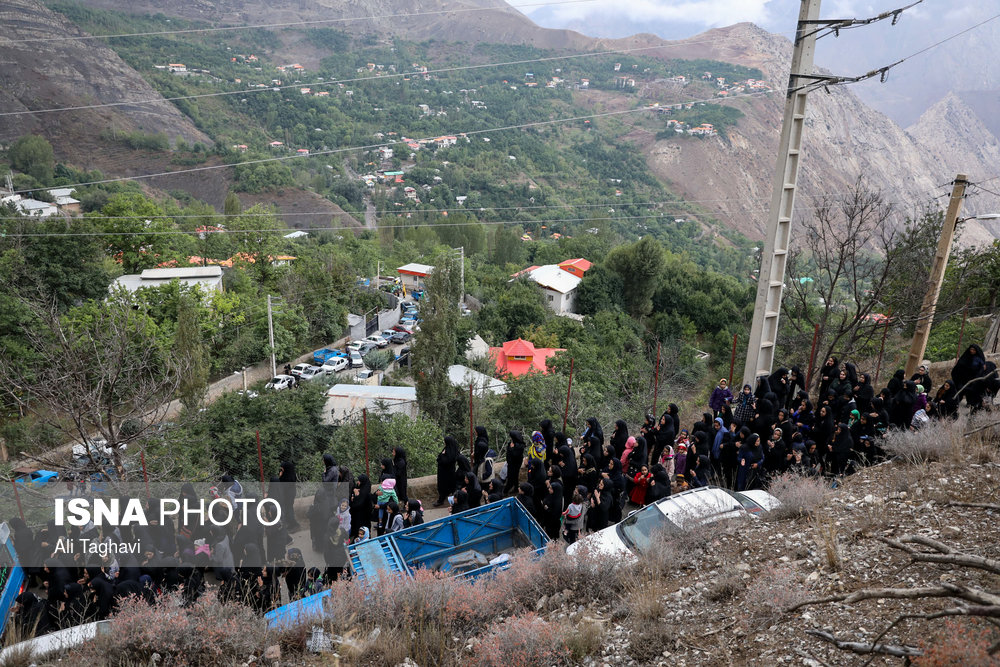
(435, 348)
(33, 155)
(103, 368)
(188, 348)
(515, 309)
(257, 235)
(134, 227)
(232, 206)
(638, 265)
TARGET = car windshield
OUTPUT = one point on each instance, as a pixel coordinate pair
(749, 504)
(639, 529)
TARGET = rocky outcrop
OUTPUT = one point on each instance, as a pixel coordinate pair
(43, 74)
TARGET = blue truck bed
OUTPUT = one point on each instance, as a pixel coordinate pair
(489, 530)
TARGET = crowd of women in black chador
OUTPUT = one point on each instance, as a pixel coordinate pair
(569, 487)
(250, 562)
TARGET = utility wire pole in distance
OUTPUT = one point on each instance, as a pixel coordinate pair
(770, 280)
(923, 329)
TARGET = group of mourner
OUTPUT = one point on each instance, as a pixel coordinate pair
(572, 484)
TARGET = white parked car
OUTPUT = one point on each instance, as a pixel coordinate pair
(299, 368)
(355, 359)
(335, 365)
(378, 341)
(386, 333)
(683, 511)
(364, 375)
(279, 382)
(311, 373)
(355, 346)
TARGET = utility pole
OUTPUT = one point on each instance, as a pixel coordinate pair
(270, 337)
(461, 260)
(770, 280)
(923, 328)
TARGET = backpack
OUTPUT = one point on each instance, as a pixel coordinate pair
(486, 468)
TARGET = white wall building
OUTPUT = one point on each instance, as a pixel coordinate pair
(558, 287)
(209, 278)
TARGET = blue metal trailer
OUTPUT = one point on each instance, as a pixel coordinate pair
(11, 575)
(468, 544)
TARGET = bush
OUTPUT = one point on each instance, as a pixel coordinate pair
(421, 438)
(522, 641)
(206, 633)
(923, 446)
(770, 593)
(959, 643)
(799, 496)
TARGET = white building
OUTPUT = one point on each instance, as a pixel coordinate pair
(412, 275)
(482, 384)
(346, 401)
(558, 286)
(209, 278)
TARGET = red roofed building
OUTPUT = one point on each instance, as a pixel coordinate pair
(577, 266)
(520, 357)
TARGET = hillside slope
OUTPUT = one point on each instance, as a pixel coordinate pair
(843, 138)
(45, 74)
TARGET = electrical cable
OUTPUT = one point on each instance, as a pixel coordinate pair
(364, 79)
(348, 149)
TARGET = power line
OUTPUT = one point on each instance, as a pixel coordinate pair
(322, 84)
(822, 81)
(291, 24)
(519, 126)
(457, 209)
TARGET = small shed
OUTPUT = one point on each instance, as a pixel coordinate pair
(344, 401)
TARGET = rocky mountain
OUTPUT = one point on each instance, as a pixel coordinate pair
(38, 74)
(730, 175)
(844, 138)
(958, 138)
(451, 20)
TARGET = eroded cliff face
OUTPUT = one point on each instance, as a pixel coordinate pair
(844, 138)
(46, 74)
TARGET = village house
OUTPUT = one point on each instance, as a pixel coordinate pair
(65, 202)
(209, 278)
(520, 357)
(412, 275)
(558, 285)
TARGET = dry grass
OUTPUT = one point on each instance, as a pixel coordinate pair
(828, 541)
(799, 496)
(773, 590)
(585, 639)
(724, 588)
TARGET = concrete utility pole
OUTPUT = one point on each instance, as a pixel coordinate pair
(270, 337)
(923, 329)
(770, 280)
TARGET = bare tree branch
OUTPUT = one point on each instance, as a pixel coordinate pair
(899, 651)
(944, 555)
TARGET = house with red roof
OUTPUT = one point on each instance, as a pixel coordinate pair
(577, 267)
(520, 357)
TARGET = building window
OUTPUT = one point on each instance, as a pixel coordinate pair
(550, 298)
(517, 358)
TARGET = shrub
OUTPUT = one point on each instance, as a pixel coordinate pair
(798, 495)
(522, 641)
(927, 444)
(957, 644)
(770, 593)
(205, 633)
(724, 588)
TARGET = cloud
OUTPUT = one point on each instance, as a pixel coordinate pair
(710, 13)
